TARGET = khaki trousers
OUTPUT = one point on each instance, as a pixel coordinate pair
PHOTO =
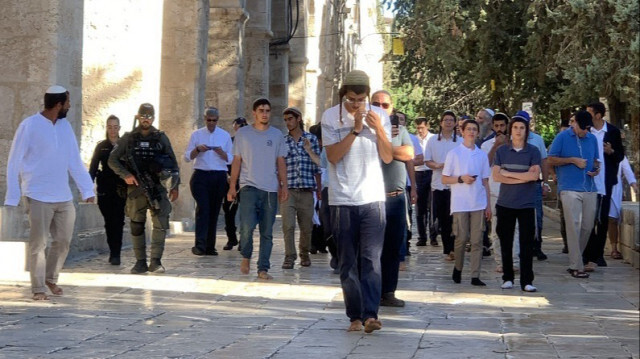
(579, 213)
(298, 206)
(469, 226)
(58, 220)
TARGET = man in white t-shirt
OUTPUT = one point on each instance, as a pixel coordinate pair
(357, 137)
(423, 179)
(467, 171)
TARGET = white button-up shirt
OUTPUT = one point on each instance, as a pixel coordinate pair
(41, 158)
(210, 160)
(423, 145)
(436, 151)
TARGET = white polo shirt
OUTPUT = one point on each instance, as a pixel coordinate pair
(436, 150)
(464, 161)
(357, 178)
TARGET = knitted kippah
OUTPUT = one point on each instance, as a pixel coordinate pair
(356, 78)
(294, 110)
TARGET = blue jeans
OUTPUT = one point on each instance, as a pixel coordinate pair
(257, 207)
(394, 236)
(359, 235)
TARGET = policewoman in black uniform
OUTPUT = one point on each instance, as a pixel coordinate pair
(145, 160)
(112, 190)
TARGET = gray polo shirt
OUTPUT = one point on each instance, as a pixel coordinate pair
(521, 195)
(395, 173)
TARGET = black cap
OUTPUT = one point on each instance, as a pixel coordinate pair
(146, 109)
(501, 116)
(583, 119)
(240, 121)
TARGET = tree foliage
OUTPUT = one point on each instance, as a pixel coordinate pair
(558, 54)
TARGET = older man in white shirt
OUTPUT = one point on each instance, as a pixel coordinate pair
(210, 149)
(43, 153)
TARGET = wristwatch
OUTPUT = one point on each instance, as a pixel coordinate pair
(355, 133)
(460, 179)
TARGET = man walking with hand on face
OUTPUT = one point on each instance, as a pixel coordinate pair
(43, 153)
(357, 137)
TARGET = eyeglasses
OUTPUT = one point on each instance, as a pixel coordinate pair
(354, 101)
(148, 117)
(212, 120)
(384, 105)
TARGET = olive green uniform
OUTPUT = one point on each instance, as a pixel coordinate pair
(137, 206)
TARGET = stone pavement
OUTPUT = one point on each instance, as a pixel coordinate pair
(204, 308)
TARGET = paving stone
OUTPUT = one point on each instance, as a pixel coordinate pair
(204, 308)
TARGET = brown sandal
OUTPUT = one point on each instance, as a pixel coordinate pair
(53, 287)
(616, 255)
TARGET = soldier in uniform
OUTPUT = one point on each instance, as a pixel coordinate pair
(144, 159)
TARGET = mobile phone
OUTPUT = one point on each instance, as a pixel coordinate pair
(213, 147)
(395, 121)
(475, 176)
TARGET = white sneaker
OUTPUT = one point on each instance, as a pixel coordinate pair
(507, 285)
(530, 288)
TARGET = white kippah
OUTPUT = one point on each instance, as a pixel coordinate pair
(490, 112)
(55, 89)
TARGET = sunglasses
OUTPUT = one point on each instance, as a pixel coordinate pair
(212, 120)
(384, 105)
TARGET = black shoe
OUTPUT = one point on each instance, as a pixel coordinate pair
(333, 263)
(457, 275)
(421, 243)
(197, 251)
(313, 250)
(434, 242)
(486, 252)
(140, 267)
(323, 250)
(541, 256)
(155, 266)
(565, 250)
(288, 263)
(229, 246)
(114, 261)
(601, 262)
(212, 252)
(478, 282)
(390, 300)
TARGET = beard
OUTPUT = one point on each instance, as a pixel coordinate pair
(62, 113)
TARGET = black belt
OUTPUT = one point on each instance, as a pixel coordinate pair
(210, 171)
(394, 193)
(301, 189)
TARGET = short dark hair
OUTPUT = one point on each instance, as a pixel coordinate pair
(470, 122)
(598, 107)
(259, 102)
(564, 122)
(316, 130)
(52, 99)
(420, 120)
(515, 119)
(357, 89)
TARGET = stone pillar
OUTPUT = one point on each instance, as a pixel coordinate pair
(257, 36)
(226, 68)
(182, 83)
(279, 62)
(298, 60)
(39, 46)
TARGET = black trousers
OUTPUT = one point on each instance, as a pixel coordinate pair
(598, 239)
(442, 213)
(112, 208)
(505, 228)
(325, 219)
(208, 188)
(230, 209)
(423, 187)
